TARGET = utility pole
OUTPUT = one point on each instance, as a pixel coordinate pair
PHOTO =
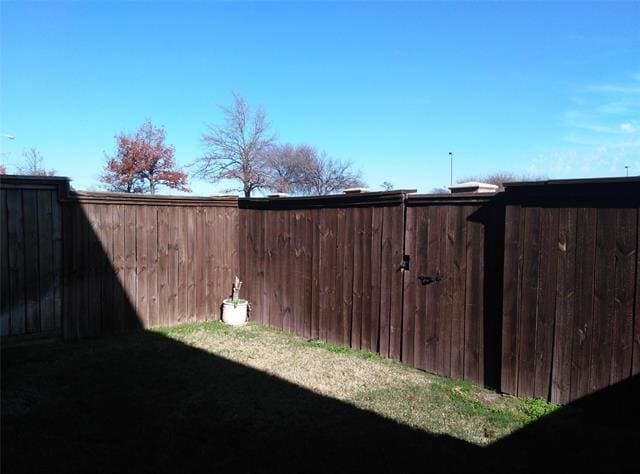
(451, 177)
(627, 168)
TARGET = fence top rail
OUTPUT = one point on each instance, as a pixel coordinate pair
(451, 199)
(152, 200)
(378, 198)
(582, 182)
(65, 194)
(598, 192)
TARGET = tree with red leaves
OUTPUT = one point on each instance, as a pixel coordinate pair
(143, 162)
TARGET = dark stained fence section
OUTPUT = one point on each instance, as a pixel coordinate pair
(78, 265)
(450, 298)
(146, 261)
(327, 268)
(31, 259)
(570, 276)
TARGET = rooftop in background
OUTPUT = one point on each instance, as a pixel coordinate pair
(473, 187)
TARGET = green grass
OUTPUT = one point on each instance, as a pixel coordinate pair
(423, 401)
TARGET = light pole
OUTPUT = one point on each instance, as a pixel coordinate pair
(627, 168)
(451, 176)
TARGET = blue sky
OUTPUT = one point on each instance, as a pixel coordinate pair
(538, 88)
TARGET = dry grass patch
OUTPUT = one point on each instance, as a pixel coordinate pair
(391, 389)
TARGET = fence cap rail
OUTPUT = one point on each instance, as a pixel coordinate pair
(152, 200)
(451, 198)
(598, 192)
(376, 198)
(583, 182)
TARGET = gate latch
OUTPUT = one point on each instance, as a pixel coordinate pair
(404, 265)
(425, 280)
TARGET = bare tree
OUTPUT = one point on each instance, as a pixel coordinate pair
(500, 177)
(237, 149)
(387, 185)
(285, 168)
(439, 191)
(33, 164)
(325, 175)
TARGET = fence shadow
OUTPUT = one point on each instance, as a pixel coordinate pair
(147, 403)
(597, 433)
(491, 217)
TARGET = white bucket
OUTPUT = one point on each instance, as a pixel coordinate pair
(234, 314)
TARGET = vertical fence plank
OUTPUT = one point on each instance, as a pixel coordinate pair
(603, 299)
(70, 268)
(376, 270)
(347, 276)
(397, 279)
(546, 302)
(58, 255)
(183, 267)
(297, 272)
(107, 271)
(459, 282)
(582, 332)
(446, 298)
(635, 364)
(410, 288)
(385, 281)
(287, 280)
(528, 303)
(356, 318)
(32, 284)
(119, 267)
(85, 274)
(365, 305)
(132, 319)
(430, 290)
(45, 260)
(173, 265)
(260, 221)
(5, 285)
(474, 299)
(442, 329)
(142, 267)
(338, 316)
(625, 279)
(565, 306)
(163, 263)
(307, 251)
(420, 265)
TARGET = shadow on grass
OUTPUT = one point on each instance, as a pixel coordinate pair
(147, 403)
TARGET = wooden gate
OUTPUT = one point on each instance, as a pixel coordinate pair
(451, 310)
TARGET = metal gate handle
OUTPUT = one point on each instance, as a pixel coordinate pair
(425, 280)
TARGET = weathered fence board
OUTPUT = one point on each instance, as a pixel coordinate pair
(570, 264)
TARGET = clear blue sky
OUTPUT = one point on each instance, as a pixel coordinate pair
(542, 88)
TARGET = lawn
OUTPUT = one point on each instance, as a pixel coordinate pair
(211, 398)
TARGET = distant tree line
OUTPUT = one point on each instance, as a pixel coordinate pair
(242, 149)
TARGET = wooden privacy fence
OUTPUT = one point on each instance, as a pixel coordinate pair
(84, 264)
(327, 268)
(571, 287)
(534, 290)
